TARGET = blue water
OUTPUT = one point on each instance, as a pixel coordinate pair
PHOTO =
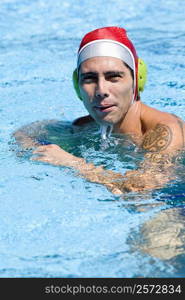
(54, 223)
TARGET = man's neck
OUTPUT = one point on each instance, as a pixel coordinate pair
(131, 124)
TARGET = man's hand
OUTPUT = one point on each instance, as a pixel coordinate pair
(55, 155)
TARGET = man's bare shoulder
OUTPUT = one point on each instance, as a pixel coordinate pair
(83, 121)
(151, 116)
(158, 123)
(166, 135)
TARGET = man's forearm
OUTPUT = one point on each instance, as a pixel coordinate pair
(147, 176)
(25, 141)
(137, 180)
(96, 174)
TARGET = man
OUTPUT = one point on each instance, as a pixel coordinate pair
(109, 78)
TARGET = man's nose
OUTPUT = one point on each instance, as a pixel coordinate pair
(101, 89)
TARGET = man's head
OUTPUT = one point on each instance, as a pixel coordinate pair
(107, 73)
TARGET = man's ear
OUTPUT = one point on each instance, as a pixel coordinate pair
(75, 84)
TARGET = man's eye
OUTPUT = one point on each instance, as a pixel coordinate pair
(88, 79)
(114, 77)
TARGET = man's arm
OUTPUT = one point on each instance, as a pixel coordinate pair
(27, 136)
(32, 135)
(54, 155)
(137, 180)
(24, 140)
(162, 143)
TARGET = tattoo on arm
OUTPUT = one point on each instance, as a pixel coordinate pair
(155, 171)
(149, 175)
(158, 139)
(159, 158)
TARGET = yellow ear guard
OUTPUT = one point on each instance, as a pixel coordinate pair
(75, 84)
(142, 74)
(142, 77)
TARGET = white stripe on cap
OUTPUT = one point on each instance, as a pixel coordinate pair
(106, 47)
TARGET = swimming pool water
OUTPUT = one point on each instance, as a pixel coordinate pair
(53, 223)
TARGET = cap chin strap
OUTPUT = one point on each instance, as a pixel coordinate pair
(106, 131)
(133, 100)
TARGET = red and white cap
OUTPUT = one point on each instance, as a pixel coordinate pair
(112, 42)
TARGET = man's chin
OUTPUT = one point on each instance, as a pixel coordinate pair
(106, 122)
(107, 119)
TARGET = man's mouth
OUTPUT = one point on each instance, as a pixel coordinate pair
(104, 108)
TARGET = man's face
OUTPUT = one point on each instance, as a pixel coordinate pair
(106, 86)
